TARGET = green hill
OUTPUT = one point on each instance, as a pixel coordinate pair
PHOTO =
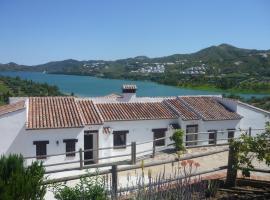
(16, 87)
(222, 67)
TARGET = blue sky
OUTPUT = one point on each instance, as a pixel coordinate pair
(35, 32)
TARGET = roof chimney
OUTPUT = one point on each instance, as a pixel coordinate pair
(129, 92)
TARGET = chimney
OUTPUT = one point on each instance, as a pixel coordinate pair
(129, 92)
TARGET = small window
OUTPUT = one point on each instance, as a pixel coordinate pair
(70, 147)
(159, 133)
(212, 137)
(230, 134)
(41, 149)
(120, 139)
(192, 137)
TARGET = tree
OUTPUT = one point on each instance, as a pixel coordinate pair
(244, 150)
(177, 137)
(19, 182)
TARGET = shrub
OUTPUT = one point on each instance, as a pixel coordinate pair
(19, 182)
(89, 188)
(177, 137)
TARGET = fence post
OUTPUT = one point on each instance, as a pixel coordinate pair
(114, 181)
(231, 170)
(133, 153)
(154, 148)
(249, 131)
(81, 159)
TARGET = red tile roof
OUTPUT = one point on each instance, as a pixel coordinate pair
(182, 110)
(209, 108)
(12, 107)
(53, 112)
(66, 112)
(135, 111)
(89, 112)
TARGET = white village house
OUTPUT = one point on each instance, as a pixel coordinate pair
(40, 126)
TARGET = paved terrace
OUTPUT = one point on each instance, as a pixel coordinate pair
(206, 163)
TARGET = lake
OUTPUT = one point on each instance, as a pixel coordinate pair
(87, 86)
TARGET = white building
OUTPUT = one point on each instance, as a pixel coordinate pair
(40, 126)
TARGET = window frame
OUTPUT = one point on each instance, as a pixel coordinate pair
(195, 135)
(118, 134)
(232, 130)
(41, 153)
(72, 142)
(159, 143)
(214, 132)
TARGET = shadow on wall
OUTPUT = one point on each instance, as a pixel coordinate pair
(19, 143)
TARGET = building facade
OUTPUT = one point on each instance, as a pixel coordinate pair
(41, 126)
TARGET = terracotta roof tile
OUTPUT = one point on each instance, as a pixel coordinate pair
(53, 112)
(5, 109)
(89, 112)
(209, 108)
(183, 111)
(135, 111)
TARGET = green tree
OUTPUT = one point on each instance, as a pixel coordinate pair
(19, 182)
(244, 150)
(177, 137)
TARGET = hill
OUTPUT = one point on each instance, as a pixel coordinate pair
(222, 67)
(16, 87)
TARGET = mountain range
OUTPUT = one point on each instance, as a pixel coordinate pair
(207, 67)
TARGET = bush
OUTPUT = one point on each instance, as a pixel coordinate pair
(177, 137)
(19, 182)
(89, 188)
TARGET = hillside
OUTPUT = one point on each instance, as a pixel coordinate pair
(16, 87)
(222, 67)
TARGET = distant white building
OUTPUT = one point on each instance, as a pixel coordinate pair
(38, 126)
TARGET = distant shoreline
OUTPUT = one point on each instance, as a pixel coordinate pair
(202, 88)
(207, 88)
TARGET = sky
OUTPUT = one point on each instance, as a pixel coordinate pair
(38, 31)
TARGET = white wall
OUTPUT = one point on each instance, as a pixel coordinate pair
(219, 126)
(17, 140)
(53, 135)
(11, 125)
(254, 118)
(204, 126)
(139, 131)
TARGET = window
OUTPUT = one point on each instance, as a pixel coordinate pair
(70, 146)
(192, 137)
(159, 133)
(212, 137)
(230, 134)
(41, 149)
(120, 139)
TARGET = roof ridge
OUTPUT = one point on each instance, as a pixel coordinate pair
(98, 111)
(79, 112)
(172, 108)
(91, 105)
(190, 107)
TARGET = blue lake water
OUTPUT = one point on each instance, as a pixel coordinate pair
(92, 86)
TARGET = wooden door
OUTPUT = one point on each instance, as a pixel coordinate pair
(88, 144)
